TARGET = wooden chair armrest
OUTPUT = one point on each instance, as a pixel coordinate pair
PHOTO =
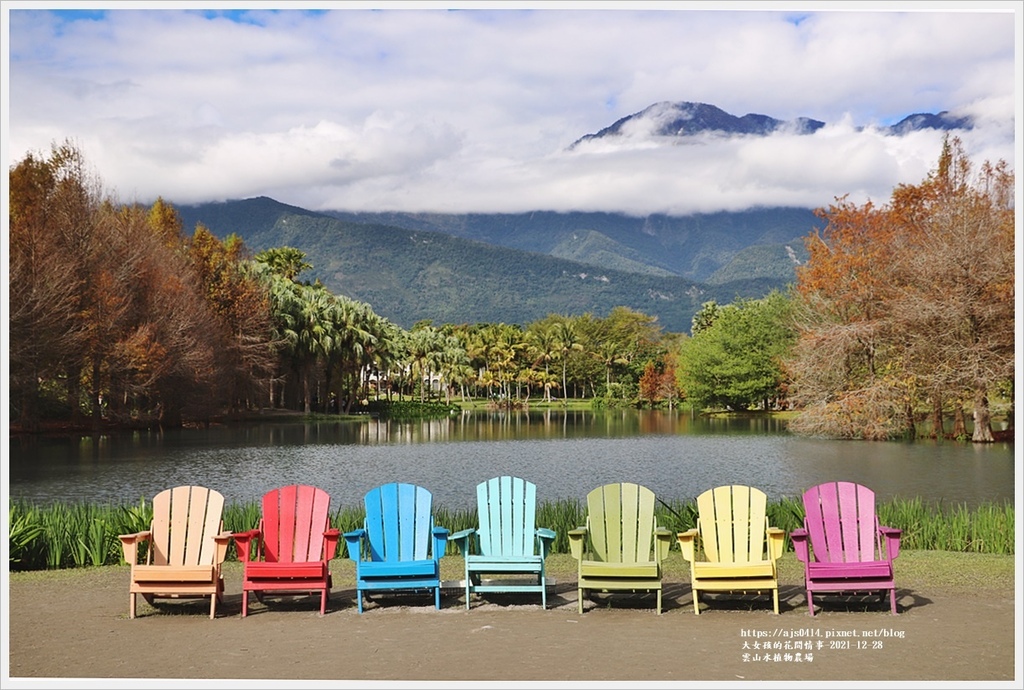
(130, 545)
(221, 542)
(353, 543)
(892, 541)
(331, 537)
(576, 539)
(687, 542)
(545, 538)
(662, 543)
(464, 540)
(243, 541)
(776, 542)
(801, 544)
(136, 537)
(440, 542)
(461, 534)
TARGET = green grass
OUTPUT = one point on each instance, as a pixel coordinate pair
(61, 536)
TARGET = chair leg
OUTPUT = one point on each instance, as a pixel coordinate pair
(245, 603)
(213, 606)
(775, 600)
(359, 600)
(696, 603)
(543, 592)
(131, 605)
(659, 602)
(810, 602)
(580, 593)
(892, 600)
(437, 597)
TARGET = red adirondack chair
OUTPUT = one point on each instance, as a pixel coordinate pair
(842, 545)
(291, 551)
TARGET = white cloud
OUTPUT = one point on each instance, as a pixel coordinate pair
(463, 111)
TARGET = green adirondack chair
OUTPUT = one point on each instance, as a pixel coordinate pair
(507, 541)
(621, 548)
(733, 548)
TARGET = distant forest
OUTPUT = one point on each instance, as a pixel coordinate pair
(122, 315)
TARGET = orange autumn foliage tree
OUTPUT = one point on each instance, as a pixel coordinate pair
(906, 306)
(111, 315)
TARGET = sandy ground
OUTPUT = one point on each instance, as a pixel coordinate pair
(71, 628)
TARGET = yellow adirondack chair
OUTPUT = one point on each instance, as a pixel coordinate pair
(621, 548)
(732, 548)
(187, 545)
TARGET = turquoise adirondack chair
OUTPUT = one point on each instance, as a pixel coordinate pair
(621, 548)
(507, 540)
(399, 547)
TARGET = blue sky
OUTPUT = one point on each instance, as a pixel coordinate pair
(412, 107)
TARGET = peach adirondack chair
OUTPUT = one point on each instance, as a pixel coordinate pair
(291, 550)
(621, 548)
(733, 548)
(186, 547)
(842, 545)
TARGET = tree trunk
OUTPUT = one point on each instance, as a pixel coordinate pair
(97, 400)
(908, 413)
(959, 422)
(170, 413)
(937, 425)
(74, 390)
(982, 420)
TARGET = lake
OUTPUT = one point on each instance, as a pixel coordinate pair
(565, 453)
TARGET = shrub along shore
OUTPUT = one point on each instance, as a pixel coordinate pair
(60, 536)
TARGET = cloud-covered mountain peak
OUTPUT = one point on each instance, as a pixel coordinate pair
(686, 118)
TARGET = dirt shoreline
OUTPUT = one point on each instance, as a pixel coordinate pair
(71, 628)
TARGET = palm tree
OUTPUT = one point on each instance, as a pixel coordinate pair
(544, 347)
(423, 345)
(568, 341)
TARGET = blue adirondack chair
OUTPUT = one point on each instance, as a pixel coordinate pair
(399, 547)
(507, 540)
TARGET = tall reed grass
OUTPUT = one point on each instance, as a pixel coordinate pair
(72, 536)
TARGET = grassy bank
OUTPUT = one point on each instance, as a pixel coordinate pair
(59, 536)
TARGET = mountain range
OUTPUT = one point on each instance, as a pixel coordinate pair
(686, 118)
(518, 268)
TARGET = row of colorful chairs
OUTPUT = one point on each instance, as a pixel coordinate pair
(733, 548)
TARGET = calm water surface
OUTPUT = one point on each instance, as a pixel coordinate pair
(565, 453)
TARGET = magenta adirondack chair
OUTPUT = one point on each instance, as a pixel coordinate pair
(842, 545)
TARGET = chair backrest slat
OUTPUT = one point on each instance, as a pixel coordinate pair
(399, 522)
(506, 508)
(841, 521)
(733, 524)
(185, 519)
(293, 524)
(620, 518)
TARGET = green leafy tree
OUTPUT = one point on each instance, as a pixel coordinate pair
(736, 363)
